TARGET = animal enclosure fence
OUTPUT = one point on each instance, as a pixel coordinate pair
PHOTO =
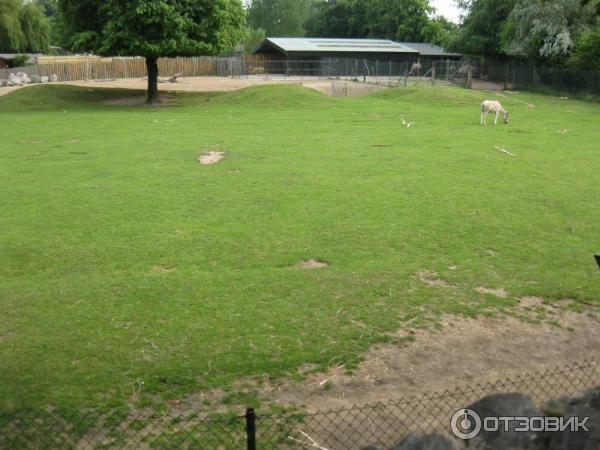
(387, 73)
(116, 68)
(517, 75)
(469, 72)
(380, 72)
(381, 425)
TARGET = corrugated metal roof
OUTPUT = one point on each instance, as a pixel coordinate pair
(339, 45)
(428, 49)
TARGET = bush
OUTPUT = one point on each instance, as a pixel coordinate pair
(20, 60)
(587, 51)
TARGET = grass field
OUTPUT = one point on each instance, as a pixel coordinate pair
(131, 273)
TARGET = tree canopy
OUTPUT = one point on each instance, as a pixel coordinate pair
(23, 27)
(481, 29)
(279, 17)
(402, 20)
(153, 29)
(558, 32)
(537, 29)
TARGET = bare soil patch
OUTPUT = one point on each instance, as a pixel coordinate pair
(211, 157)
(161, 269)
(311, 264)
(499, 292)
(431, 278)
(464, 351)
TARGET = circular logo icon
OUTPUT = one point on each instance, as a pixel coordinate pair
(465, 424)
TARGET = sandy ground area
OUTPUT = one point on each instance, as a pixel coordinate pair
(221, 84)
(463, 352)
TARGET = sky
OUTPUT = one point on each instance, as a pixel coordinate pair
(447, 8)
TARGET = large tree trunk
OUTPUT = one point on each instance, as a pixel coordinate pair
(152, 67)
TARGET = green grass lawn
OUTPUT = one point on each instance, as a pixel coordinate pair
(127, 265)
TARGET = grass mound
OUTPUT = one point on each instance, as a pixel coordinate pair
(283, 96)
(50, 97)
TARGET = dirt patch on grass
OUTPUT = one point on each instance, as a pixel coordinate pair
(531, 301)
(499, 292)
(431, 278)
(311, 264)
(211, 157)
(161, 269)
(464, 351)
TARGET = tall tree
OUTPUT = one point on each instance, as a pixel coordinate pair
(253, 39)
(279, 17)
(154, 28)
(334, 18)
(23, 27)
(586, 54)
(545, 29)
(482, 26)
(35, 26)
(11, 34)
(403, 20)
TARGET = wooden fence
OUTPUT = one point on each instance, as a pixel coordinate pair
(104, 69)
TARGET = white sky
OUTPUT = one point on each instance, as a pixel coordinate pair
(447, 8)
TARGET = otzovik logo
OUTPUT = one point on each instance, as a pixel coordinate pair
(467, 424)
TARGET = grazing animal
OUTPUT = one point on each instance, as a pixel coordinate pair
(488, 106)
(414, 70)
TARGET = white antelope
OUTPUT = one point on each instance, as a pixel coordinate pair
(488, 106)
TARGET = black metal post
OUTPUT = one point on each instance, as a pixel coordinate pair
(597, 256)
(251, 429)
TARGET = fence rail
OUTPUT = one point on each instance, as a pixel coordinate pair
(381, 424)
(523, 76)
(119, 68)
(388, 73)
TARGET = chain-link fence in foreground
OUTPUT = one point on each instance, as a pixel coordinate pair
(381, 424)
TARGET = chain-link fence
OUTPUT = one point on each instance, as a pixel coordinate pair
(476, 72)
(381, 424)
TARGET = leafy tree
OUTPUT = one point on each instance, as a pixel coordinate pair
(49, 7)
(482, 26)
(544, 29)
(20, 60)
(11, 34)
(35, 27)
(587, 51)
(253, 39)
(403, 20)
(329, 19)
(439, 30)
(279, 17)
(23, 27)
(153, 29)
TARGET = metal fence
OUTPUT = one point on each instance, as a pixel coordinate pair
(384, 73)
(517, 75)
(381, 424)
(469, 72)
